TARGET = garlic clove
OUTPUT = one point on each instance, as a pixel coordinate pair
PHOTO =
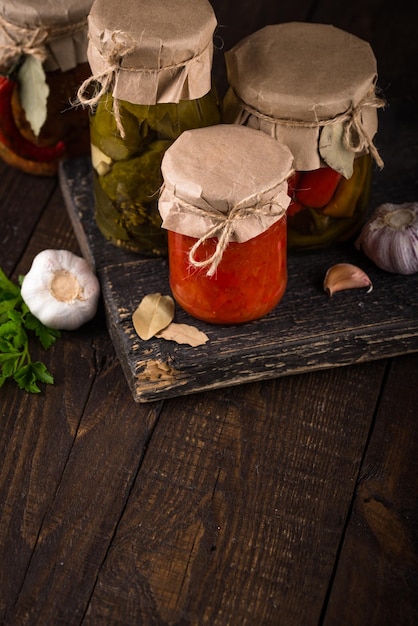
(345, 276)
(61, 290)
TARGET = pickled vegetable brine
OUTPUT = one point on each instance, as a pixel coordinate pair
(312, 87)
(152, 77)
(224, 202)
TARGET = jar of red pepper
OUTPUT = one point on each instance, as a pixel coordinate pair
(43, 59)
(224, 202)
(312, 87)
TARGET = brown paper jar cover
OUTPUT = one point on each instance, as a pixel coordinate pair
(55, 33)
(299, 72)
(210, 171)
(163, 55)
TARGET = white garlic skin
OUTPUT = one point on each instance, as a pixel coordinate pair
(71, 306)
(390, 237)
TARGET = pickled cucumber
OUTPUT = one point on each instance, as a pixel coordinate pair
(105, 135)
(138, 178)
(170, 119)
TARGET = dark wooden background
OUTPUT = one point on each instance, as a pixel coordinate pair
(290, 502)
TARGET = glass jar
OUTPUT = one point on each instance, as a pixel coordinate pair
(250, 279)
(227, 247)
(160, 87)
(43, 61)
(318, 99)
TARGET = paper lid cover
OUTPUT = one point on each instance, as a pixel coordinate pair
(304, 72)
(209, 172)
(162, 49)
(58, 25)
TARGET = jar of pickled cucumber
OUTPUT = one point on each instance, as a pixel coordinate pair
(43, 59)
(224, 202)
(312, 87)
(151, 66)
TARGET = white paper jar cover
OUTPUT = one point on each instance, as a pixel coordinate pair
(57, 29)
(303, 73)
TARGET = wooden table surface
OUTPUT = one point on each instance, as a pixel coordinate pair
(290, 502)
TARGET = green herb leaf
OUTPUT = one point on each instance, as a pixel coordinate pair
(26, 379)
(47, 336)
(34, 91)
(15, 320)
(42, 373)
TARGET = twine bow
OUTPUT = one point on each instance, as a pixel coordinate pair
(225, 224)
(24, 41)
(107, 78)
(355, 137)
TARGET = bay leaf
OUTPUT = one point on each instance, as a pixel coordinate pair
(333, 150)
(33, 92)
(153, 313)
(184, 333)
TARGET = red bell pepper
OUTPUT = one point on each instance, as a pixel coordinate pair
(316, 188)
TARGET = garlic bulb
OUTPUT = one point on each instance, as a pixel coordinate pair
(390, 237)
(61, 290)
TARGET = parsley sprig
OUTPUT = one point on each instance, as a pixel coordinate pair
(15, 322)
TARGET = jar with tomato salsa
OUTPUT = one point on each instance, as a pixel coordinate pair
(223, 203)
(43, 60)
(312, 87)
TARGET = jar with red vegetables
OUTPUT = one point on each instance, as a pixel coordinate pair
(223, 202)
(43, 59)
(313, 88)
(151, 68)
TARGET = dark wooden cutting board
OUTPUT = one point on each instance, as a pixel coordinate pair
(307, 331)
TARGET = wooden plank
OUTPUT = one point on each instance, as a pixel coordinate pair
(35, 441)
(58, 457)
(23, 198)
(84, 465)
(46, 445)
(238, 508)
(376, 579)
(306, 331)
(37, 433)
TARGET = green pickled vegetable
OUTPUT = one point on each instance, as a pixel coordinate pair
(138, 178)
(105, 135)
(128, 178)
(170, 119)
